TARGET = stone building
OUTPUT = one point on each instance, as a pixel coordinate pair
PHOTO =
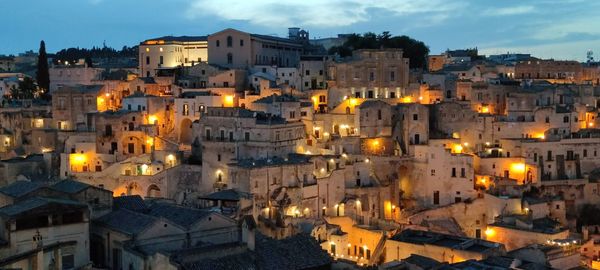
(71, 105)
(236, 49)
(368, 74)
(171, 52)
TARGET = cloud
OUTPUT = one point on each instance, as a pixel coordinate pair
(509, 11)
(317, 13)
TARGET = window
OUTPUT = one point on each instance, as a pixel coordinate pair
(147, 60)
(566, 119)
(392, 76)
(436, 197)
(229, 58)
(247, 136)
(371, 76)
(415, 117)
(378, 114)
(241, 43)
(432, 172)
(218, 43)
(307, 72)
(186, 109)
(207, 134)
(61, 104)
(453, 172)
(463, 172)
(160, 60)
(229, 41)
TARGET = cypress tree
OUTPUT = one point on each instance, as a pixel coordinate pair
(42, 75)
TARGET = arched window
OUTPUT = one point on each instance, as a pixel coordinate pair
(229, 41)
(229, 58)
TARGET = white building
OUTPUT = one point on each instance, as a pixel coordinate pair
(170, 52)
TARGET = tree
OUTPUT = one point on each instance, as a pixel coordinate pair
(42, 75)
(88, 62)
(413, 49)
(25, 90)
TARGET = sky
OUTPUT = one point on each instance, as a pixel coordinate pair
(559, 29)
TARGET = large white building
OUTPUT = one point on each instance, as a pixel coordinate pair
(169, 52)
(236, 49)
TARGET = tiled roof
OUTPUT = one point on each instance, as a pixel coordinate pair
(33, 203)
(20, 188)
(133, 203)
(70, 186)
(126, 221)
(224, 195)
(275, 39)
(242, 261)
(421, 261)
(183, 216)
(300, 251)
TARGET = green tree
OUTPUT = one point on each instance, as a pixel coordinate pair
(88, 62)
(27, 88)
(413, 49)
(42, 75)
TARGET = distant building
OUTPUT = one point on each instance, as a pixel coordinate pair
(73, 75)
(170, 52)
(236, 49)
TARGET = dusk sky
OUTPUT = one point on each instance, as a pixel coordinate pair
(562, 29)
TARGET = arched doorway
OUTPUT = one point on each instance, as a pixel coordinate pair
(153, 191)
(185, 131)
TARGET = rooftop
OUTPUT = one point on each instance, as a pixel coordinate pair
(20, 188)
(126, 221)
(183, 216)
(445, 240)
(277, 98)
(225, 195)
(34, 203)
(70, 186)
(84, 89)
(133, 203)
(175, 39)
